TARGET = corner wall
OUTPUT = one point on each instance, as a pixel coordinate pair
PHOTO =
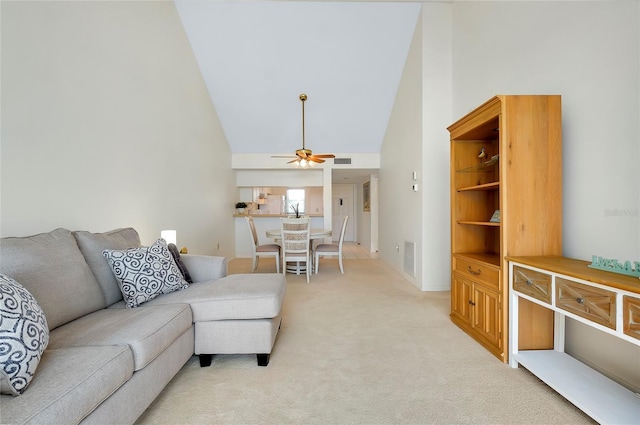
(417, 141)
(436, 117)
(106, 122)
(401, 209)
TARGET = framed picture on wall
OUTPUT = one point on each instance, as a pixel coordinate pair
(366, 197)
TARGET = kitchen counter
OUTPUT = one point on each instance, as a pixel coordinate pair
(276, 215)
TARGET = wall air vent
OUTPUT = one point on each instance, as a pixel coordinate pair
(343, 161)
(410, 258)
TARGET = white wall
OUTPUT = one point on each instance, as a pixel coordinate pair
(374, 217)
(589, 53)
(417, 140)
(436, 117)
(106, 122)
(401, 208)
(288, 178)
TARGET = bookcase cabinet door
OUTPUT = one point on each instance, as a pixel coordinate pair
(486, 315)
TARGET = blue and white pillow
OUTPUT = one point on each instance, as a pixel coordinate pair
(144, 273)
(24, 335)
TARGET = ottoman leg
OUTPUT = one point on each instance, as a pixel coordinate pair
(263, 359)
(205, 359)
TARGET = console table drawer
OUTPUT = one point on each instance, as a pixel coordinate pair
(595, 304)
(532, 283)
(631, 316)
(477, 271)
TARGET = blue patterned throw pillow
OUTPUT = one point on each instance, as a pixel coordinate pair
(24, 334)
(144, 273)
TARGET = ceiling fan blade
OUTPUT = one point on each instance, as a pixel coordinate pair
(292, 161)
(325, 155)
(315, 158)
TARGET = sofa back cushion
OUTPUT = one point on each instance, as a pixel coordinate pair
(51, 267)
(92, 245)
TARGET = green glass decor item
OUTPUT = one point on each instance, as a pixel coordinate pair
(613, 265)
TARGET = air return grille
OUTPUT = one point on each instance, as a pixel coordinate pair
(343, 161)
(410, 258)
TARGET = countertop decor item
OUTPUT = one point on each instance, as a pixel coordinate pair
(615, 266)
(240, 207)
(296, 209)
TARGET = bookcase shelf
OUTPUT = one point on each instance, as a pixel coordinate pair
(485, 186)
(479, 223)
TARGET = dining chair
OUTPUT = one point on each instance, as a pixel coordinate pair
(266, 250)
(295, 241)
(329, 249)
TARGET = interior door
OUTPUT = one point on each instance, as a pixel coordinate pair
(343, 205)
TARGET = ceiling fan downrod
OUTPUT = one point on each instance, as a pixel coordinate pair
(304, 157)
(303, 98)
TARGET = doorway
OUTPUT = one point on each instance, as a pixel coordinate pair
(343, 204)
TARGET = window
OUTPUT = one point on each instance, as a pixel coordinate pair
(295, 196)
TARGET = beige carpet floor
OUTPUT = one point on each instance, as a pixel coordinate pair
(365, 347)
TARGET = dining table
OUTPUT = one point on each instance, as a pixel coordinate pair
(298, 268)
(313, 234)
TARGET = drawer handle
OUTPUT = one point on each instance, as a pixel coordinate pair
(474, 272)
(472, 303)
(529, 282)
(580, 300)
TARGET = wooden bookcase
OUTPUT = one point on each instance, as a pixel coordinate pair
(506, 155)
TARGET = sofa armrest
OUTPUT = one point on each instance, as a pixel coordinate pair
(205, 267)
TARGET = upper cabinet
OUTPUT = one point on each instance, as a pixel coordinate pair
(506, 199)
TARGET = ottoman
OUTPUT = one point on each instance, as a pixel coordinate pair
(243, 318)
(237, 314)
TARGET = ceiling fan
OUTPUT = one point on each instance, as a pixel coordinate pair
(304, 157)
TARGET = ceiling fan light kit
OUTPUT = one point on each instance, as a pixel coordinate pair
(304, 157)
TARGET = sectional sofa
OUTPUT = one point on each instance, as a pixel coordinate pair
(83, 341)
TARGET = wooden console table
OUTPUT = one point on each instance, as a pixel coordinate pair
(603, 300)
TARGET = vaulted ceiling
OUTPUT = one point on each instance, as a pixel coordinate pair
(256, 59)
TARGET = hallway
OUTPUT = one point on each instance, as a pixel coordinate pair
(355, 251)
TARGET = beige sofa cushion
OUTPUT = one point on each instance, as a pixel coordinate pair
(148, 331)
(92, 245)
(237, 296)
(70, 384)
(205, 267)
(51, 267)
